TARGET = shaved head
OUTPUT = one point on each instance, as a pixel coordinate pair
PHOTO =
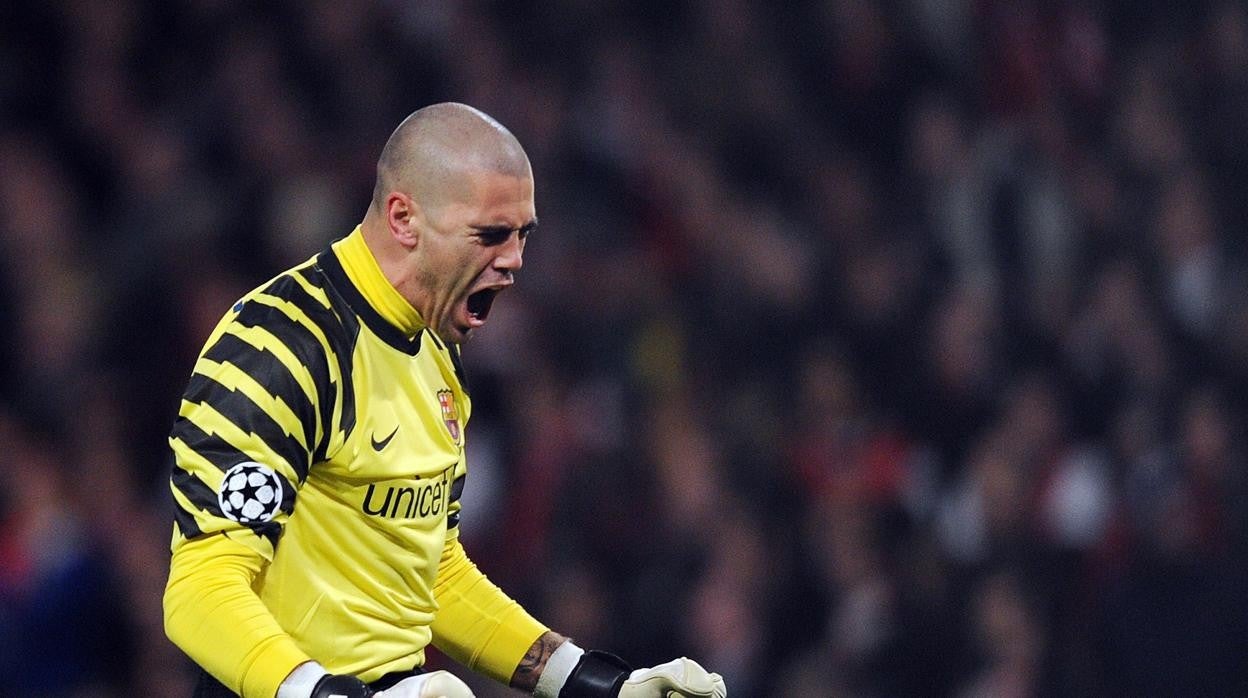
(432, 154)
(451, 210)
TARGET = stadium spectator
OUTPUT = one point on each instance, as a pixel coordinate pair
(979, 264)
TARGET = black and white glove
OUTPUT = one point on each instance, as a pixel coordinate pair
(574, 673)
(310, 680)
(681, 677)
(435, 684)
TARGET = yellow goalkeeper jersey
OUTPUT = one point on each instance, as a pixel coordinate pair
(319, 462)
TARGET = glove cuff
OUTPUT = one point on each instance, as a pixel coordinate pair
(560, 665)
(597, 675)
(340, 686)
(302, 681)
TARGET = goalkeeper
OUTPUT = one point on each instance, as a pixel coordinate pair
(319, 455)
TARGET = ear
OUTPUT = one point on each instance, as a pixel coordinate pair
(405, 219)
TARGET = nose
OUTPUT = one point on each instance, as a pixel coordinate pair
(510, 254)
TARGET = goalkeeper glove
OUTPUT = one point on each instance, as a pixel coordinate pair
(679, 677)
(574, 673)
(435, 684)
(310, 680)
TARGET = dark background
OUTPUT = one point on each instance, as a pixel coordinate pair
(866, 349)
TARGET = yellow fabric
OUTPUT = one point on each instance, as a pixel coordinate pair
(209, 599)
(362, 437)
(362, 268)
(207, 429)
(477, 624)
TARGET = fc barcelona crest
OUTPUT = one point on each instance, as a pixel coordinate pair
(450, 415)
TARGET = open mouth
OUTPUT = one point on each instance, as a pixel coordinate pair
(479, 303)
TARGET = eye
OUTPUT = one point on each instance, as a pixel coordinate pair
(493, 236)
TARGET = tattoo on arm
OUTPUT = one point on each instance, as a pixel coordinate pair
(534, 661)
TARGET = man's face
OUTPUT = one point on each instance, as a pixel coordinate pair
(469, 248)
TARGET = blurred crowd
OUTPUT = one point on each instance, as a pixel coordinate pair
(865, 349)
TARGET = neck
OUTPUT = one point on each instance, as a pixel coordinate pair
(377, 268)
(385, 251)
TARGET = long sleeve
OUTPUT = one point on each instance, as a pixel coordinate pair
(256, 413)
(476, 623)
(212, 613)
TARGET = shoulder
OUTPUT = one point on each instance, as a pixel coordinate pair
(301, 308)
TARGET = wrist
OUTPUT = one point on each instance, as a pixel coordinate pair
(301, 681)
(571, 672)
(558, 667)
(311, 680)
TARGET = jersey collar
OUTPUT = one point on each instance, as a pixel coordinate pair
(365, 274)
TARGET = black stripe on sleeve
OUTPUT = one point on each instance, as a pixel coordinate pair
(186, 522)
(308, 350)
(271, 530)
(213, 449)
(200, 496)
(349, 327)
(288, 497)
(204, 498)
(267, 370)
(198, 493)
(244, 413)
(340, 330)
(224, 456)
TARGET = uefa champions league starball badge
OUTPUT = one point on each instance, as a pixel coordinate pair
(250, 493)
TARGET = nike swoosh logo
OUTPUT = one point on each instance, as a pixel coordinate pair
(378, 445)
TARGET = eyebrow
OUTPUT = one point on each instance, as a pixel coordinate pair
(525, 229)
